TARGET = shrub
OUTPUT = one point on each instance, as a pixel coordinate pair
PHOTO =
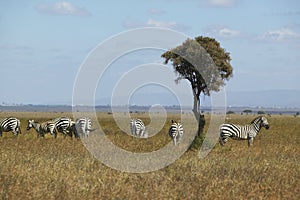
(230, 112)
(261, 112)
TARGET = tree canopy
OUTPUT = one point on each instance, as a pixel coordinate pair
(203, 62)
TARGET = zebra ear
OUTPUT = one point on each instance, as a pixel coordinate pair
(172, 121)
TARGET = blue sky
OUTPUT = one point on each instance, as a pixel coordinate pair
(43, 43)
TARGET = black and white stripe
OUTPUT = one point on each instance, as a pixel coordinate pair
(42, 128)
(64, 125)
(176, 132)
(82, 127)
(137, 128)
(247, 132)
(10, 124)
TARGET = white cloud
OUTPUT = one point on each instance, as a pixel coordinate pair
(163, 24)
(61, 8)
(155, 23)
(279, 35)
(222, 32)
(221, 3)
(228, 33)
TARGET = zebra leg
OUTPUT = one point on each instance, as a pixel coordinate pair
(76, 133)
(178, 139)
(0, 133)
(65, 134)
(70, 133)
(222, 140)
(15, 132)
(40, 134)
(250, 141)
(87, 134)
(55, 131)
(53, 134)
(143, 133)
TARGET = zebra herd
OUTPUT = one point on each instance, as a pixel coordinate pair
(79, 128)
(83, 126)
(138, 129)
(247, 132)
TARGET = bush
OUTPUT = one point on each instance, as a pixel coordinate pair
(230, 112)
(261, 112)
(247, 111)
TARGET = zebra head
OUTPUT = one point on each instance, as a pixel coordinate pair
(264, 122)
(261, 121)
(30, 124)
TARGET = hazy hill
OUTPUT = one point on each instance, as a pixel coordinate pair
(270, 98)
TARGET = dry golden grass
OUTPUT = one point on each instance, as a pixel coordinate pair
(46, 168)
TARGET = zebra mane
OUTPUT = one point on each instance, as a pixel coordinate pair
(256, 119)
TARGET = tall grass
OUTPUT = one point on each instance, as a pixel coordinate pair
(47, 168)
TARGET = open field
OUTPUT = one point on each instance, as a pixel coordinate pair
(46, 168)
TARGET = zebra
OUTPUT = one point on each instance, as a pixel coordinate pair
(176, 132)
(63, 125)
(137, 128)
(247, 132)
(10, 124)
(43, 128)
(82, 127)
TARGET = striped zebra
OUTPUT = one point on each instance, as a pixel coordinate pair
(137, 128)
(82, 127)
(42, 128)
(176, 132)
(247, 132)
(64, 126)
(10, 124)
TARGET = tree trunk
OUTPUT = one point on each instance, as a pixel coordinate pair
(197, 114)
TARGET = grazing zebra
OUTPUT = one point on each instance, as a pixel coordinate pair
(137, 128)
(63, 125)
(10, 124)
(176, 132)
(82, 127)
(42, 128)
(247, 132)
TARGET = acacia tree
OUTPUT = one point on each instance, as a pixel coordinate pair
(205, 64)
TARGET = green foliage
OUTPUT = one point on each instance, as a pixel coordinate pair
(203, 62)
(230, 112)
(247, 111)
(261, 112)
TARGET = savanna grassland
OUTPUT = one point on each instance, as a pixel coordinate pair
(47, 168)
